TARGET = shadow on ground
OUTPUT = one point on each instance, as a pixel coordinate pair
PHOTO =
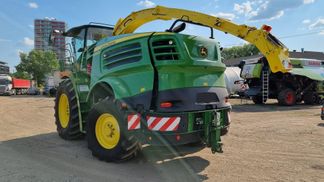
(72, 158)
(321, 124)
(271, 107)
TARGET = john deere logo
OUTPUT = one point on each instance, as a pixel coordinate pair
(203, 52)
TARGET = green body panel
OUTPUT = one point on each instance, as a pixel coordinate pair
(251, 71)
(191, 118)
(191, 69)
(312, 73)
(126, 80)
(311, 68)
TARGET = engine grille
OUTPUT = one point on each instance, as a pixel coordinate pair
(165, 49)
(122, 55)
(2, 89)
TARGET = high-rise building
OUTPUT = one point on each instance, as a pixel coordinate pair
(4, 68)
(43, 29)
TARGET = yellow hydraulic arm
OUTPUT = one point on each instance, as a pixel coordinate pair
(275, 52)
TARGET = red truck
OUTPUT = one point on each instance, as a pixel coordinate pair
(13, 86)
(20, 86)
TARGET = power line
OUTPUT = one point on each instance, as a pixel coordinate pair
(301, 35)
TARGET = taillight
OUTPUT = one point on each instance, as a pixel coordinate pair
(165, 104)
(89, 66)
(226, 99)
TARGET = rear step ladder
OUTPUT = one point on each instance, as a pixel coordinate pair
(265, 86)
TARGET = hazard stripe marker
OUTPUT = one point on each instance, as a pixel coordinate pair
(134, 121)
(163, 123)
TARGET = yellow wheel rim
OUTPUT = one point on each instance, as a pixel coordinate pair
(107, 131)
(64, 110)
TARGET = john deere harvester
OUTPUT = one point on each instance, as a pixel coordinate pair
(123, 89)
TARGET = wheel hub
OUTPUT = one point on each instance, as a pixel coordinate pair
(64, 110)
(289, 97)
(107, 131)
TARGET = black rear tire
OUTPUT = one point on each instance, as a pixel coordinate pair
(257, 99)
(287, 97)
(311, 98)
(127, 146)
(72, 130)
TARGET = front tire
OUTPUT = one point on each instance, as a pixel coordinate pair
(107, 135)
(66, 112)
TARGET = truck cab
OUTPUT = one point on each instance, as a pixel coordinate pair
(5, 84)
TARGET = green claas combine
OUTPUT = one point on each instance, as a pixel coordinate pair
(304, 82)
(124, 89)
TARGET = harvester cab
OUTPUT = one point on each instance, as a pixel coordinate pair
(82, 41)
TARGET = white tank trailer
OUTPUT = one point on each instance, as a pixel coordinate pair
(234, 83)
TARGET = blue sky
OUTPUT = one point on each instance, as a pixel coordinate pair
(297, 23)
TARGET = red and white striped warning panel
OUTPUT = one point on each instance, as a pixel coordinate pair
(134, 121)
(163, 123)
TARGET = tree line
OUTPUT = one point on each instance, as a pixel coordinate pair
(36, 65)
(239, 51)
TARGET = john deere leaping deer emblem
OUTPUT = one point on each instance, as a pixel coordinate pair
(203, 52)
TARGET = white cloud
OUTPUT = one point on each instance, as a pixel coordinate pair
(322, 32)
(33, 5)
(267, 9)
(244, 8)
(229, 16)
(31, 26)
(277, 15)
(306, 21)
(317, 24)
(28, 41)
(309, 1)
(146, 3)
(18, 51)
(49, 18)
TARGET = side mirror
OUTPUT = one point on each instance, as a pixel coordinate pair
(179, 28)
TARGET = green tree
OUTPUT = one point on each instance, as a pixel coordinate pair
(37, 64)
(22, 75)
(240, 51)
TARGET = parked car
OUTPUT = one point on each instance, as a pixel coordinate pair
(33, 91)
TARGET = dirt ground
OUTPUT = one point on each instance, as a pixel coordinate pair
(265, 143)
